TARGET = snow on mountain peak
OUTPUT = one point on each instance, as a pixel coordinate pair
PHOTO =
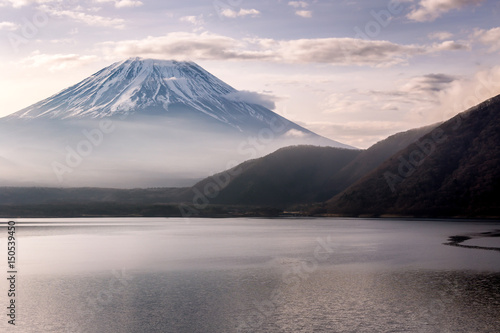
(133, 85)
(168, 88)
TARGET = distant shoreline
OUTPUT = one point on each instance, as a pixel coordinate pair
(125, 210)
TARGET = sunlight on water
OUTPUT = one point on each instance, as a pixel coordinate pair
(252, 275)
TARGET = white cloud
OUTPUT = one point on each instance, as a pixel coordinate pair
(436, 97)
(22, 3)
(127, 3)
(57, 62)
(177, 45)
(304, 13)
(122, 3)
(489, 37)
(228, 12)
(265, 100)
(293, 133)
(429, 10)
(92, 20)
(335, 51)
(9, 26)
(449, 45)
(196, 20)
(465, 93)
(440, 35)
(346, 51)
(298, 4)
(60, 41)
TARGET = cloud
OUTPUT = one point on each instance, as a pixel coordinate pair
(57, 62)
(298, 4)
(22, 3)
(440, 35)
(437, 97)
(347, 51)
(304, 13)
(9, 26)
(122, 3)
(228, 12)
(293, 133)
(335, 51)
(429, 83)
(127, 3)
(181, 46)
(465, 93)
(58, 41)
(429, 10)
(489, 37)
(92, 20)
(266, 100)
(196, 20)
(449, 45)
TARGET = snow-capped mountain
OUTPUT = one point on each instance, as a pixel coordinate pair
(135, 85)
(165, 120)
(158, 87)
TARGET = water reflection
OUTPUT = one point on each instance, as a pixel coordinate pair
(240, 275)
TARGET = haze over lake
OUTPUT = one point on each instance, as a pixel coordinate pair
(253, 275)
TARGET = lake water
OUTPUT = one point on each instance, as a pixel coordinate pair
(251, 275)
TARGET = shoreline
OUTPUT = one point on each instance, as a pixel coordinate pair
(459, 239)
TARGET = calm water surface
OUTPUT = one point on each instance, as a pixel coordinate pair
(252, 275)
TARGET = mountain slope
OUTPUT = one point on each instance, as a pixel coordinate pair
(372, 158)
(288, 176)
(292, 175)
(300, 175)
(173, 89)
(141, 123)
(451, 171)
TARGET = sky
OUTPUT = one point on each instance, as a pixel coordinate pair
(353, 71)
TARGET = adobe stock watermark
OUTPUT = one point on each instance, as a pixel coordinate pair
(95, 302)
(381, 19)
(30, 27)
(292, 277)
(409, 164)
(425, 147)
(488, 86)
(29, 30)
(251, 147)
(373, 28)
(448, 292)
(75, 156)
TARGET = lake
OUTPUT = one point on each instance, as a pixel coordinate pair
(252, 275)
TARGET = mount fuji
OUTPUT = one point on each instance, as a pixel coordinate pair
(140, 123)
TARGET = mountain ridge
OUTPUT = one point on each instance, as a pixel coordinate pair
(451, 171)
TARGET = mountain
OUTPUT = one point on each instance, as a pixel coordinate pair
(173, 89)
(298, 174)
(442, 170)
(291, 175)
(451, 171)
(371, 158)
(22, 196)
(139, 123)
